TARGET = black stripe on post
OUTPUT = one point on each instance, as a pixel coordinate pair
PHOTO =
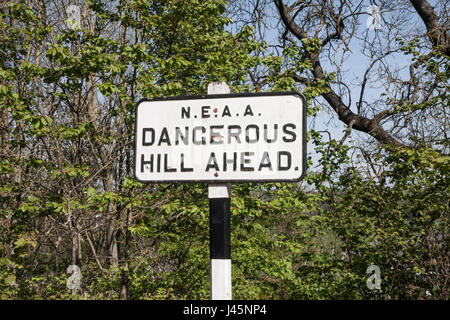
(219, 223)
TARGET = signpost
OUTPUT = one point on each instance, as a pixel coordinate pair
(221, 138)
(220, 227)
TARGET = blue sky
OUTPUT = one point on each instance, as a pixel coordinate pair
(355, 65)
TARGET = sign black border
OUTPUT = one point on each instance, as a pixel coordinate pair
(222, 96)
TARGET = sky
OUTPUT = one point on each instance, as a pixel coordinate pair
(355, 66)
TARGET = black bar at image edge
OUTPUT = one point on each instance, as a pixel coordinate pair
(273, 309)
(219, 244)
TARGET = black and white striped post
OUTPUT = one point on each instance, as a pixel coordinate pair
(219, 232)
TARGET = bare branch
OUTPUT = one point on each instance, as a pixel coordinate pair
(438, 34)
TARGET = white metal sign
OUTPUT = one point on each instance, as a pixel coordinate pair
(221, 138)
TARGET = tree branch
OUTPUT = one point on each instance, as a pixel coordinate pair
(358, 122)
(437, 34)
(289, 22)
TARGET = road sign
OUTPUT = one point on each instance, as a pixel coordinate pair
(221, 138)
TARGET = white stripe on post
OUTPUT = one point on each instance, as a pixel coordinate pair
(219, 190)
(221, 279)
(220, 268)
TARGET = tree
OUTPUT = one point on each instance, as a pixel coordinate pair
(318, 42)
(403, 111)
(67, 102)
(68, 197)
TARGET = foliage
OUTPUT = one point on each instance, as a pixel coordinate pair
(68, 195)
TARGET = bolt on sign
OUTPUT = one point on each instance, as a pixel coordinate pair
(221, 138)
